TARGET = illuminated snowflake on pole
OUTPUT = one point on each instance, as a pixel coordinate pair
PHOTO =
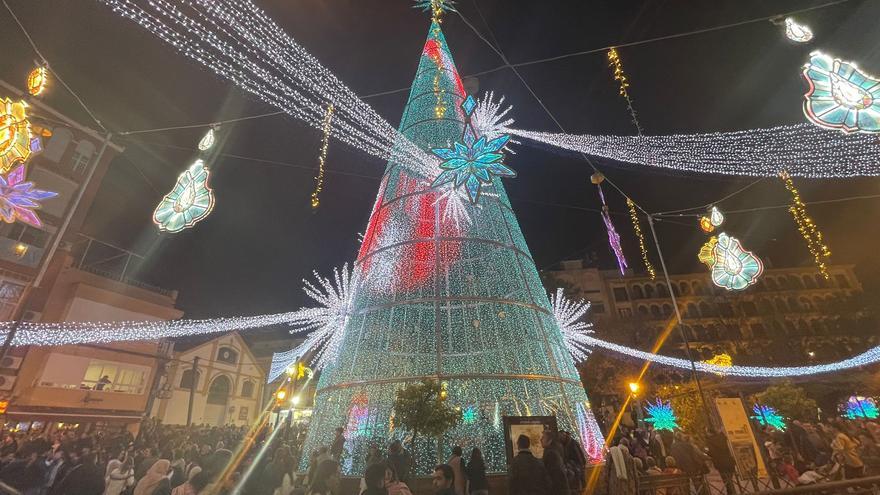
(189, 202)
(568, 315)
(474, 162)
(767, 416)
(861, 407)
(18, 199)
(326, 322)
(17, 142)
(661, 415)
(840, 96)
(488, 119)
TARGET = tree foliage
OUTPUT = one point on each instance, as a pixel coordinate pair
(422, 409)
(790, 401)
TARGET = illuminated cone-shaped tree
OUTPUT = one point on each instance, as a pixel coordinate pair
(437, 296)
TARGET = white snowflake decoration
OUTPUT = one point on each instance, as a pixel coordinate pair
(488, 119)
(325, 323)
(568, 315)
(455, 207)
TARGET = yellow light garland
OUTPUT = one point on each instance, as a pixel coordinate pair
(436, 11)
(319, 186)
(638, 229)
(620, 76)
(807, 227)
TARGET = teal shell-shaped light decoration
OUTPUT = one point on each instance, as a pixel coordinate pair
(734, 267)
(190, 201)
(840, 96)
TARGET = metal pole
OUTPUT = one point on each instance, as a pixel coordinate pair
(684, 338)
(22, 306)
(192, 390)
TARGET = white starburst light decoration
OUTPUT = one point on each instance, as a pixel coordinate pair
(455, 207)
(569, 318)
(326, 323)
(488, 119)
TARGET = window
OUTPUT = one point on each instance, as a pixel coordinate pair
(247, 389)
(749, 308)
(28, 235)
(82, 156)
(649, 291)
(186, 379)
(637, 292)
(227, 355)
(218, 393)
(598, 307)
(114, 377)
(625, 312)
(655, 311)
(620, 294)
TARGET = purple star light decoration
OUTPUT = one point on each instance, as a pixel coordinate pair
(613, 236)
(18, 199)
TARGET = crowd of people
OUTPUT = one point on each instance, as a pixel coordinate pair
(802, 454)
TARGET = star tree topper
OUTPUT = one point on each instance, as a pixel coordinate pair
(473, 162)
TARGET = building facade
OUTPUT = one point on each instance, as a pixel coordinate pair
(791, 314)
(229, 384)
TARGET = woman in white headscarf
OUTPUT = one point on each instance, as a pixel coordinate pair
(118, 477)
(156, 481)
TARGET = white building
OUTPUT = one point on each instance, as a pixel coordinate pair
(229, 384)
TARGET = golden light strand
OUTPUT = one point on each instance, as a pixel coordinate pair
(436, 11)
(620, 76)
(638, 229)
(807, 227)
(322, 158)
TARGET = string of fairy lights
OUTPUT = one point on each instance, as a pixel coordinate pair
(322, 158)
(807, 227)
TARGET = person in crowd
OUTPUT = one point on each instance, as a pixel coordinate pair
(338, 445)
(178, 468)
(553, 462)
(143, 462)
(443, 479)
(118, 476)
(400, 460)
(687, 457)
(476, 473)
(274, 472)
(374, 478)
(9, 445)
(719, 453)
(845, 448)
(25, 474)
(188, 487)
(652, 469)
(326, 478)
(156, 481)
(620, 470)
(393, 483)
(527, 475)
(374, 455)
(787, 469)
(575, 461)
(84, 478)
(57, 465)
(671, 466)
(458, 469)
(103, 382)
(656, 447)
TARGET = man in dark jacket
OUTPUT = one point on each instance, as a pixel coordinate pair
(553, 462)
(686, 456)
(400, 460)
(527, 474)
(716, 442)
(85, 479)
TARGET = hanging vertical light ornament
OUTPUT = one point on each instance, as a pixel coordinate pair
(638, 230)
(37, 79)
(613, 236)
(322, 158)
(807, 227)
(620, 76)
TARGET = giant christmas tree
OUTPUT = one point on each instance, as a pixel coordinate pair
(444, 298)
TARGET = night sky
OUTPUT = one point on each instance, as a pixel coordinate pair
(250, 255)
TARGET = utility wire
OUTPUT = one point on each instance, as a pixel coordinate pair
(703, 207)
(207, 124)
(45, 61)
(632, 43)
(534, 95)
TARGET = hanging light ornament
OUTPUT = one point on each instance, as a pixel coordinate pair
(36, 80)
(208, 140)
(732, 267)
(807, 227)
(714, 219)
(322, 158)
(620, 76)
(633, 215)
(189, 202)
(18, 198)
(17, 141)
(840, 96)
(613, 236)
(799, 33)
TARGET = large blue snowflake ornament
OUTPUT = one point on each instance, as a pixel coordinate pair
(474, 161)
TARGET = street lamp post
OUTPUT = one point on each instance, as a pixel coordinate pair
(637, 403)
